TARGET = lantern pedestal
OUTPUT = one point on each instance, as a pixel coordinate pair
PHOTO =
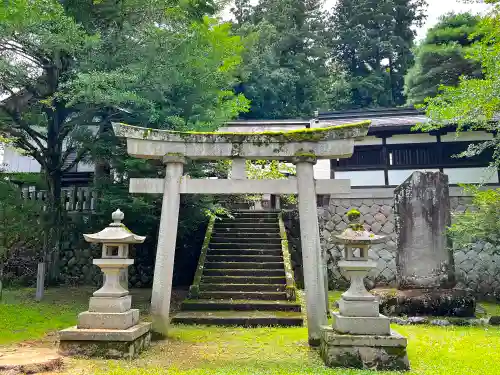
(360, 336)
(374, 352)
(105, 343)
(110, 328)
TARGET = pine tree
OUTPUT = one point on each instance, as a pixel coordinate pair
(373, 41)
(441, 58)
(285, 63)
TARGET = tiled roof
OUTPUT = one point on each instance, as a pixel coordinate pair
(380, 118)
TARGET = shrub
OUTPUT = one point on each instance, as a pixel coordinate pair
(481, 223)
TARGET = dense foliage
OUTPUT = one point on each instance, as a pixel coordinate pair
(301, 57)
(482, 223)
(441, 59)
(70, 69)
(285, 60)
(22, 232)
(475, 102)
(372, 43)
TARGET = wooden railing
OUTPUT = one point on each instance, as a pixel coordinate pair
(74, 199)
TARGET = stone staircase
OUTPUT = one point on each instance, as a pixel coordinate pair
(244, 277)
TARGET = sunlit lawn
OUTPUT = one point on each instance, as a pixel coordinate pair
(235, 351)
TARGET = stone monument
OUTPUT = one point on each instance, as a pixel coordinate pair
(424, 259)
(110, 328)
(360, 336)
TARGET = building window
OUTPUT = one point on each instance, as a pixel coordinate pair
(416, 155)
(450, 150)
(364, 157)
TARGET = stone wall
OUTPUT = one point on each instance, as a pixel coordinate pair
(378, 216)
(477, 267)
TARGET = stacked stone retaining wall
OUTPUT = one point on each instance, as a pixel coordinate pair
(477, 267)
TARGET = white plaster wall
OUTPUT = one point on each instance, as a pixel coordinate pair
(411, 138)
(398, 176)
(15, 162)
(368, 141)
(2, 147)
(322, 170)
(362, 178)
(466, 137)
(470, 175)
(85, 167)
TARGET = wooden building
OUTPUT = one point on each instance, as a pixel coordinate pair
(393, 150)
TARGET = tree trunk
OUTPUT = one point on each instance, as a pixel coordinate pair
(54, 223)
(391, 78)
(2, 264)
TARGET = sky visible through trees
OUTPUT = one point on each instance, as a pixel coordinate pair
(436, 9)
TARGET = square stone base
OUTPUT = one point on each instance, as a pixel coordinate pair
(364, 351)
(358, 308)
(105, 343)
(110, 304)
(380, 325)
(99, 320)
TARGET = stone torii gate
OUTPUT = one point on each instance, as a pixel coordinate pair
(301, 147)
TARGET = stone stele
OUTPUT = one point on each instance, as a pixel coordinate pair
(422, 207)
(110, 328)
(424, 259)
(361, 337)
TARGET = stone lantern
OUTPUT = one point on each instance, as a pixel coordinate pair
(110, 319)
(360, 336)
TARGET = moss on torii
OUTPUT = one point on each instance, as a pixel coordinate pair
(300, 135)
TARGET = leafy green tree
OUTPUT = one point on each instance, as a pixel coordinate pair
(441, 57)
(474, 103)
(39, 49)
(285, 60)
(480, 224)
(372, 41)
(153, 63)
(20, 222)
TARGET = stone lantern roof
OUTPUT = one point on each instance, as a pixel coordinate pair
(358, 237)
(356, 234)
(116, 232)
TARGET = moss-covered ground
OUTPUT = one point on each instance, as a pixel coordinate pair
(236, 351)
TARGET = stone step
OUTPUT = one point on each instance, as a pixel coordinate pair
(238, 233)
(238, 305)
(243, 287)
(251, 220)
(244, 258)
(256, 217)
(255, 212)
(245, 265)
(244, 272)
(270, 296)
(250, 226)
(244, 319)
(265, 211)
(244, 279)
(226, 238)
(245, 252)
(253, 246)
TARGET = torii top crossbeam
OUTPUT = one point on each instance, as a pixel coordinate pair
(322, 143)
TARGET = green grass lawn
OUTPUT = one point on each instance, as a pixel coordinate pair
(237, 351)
